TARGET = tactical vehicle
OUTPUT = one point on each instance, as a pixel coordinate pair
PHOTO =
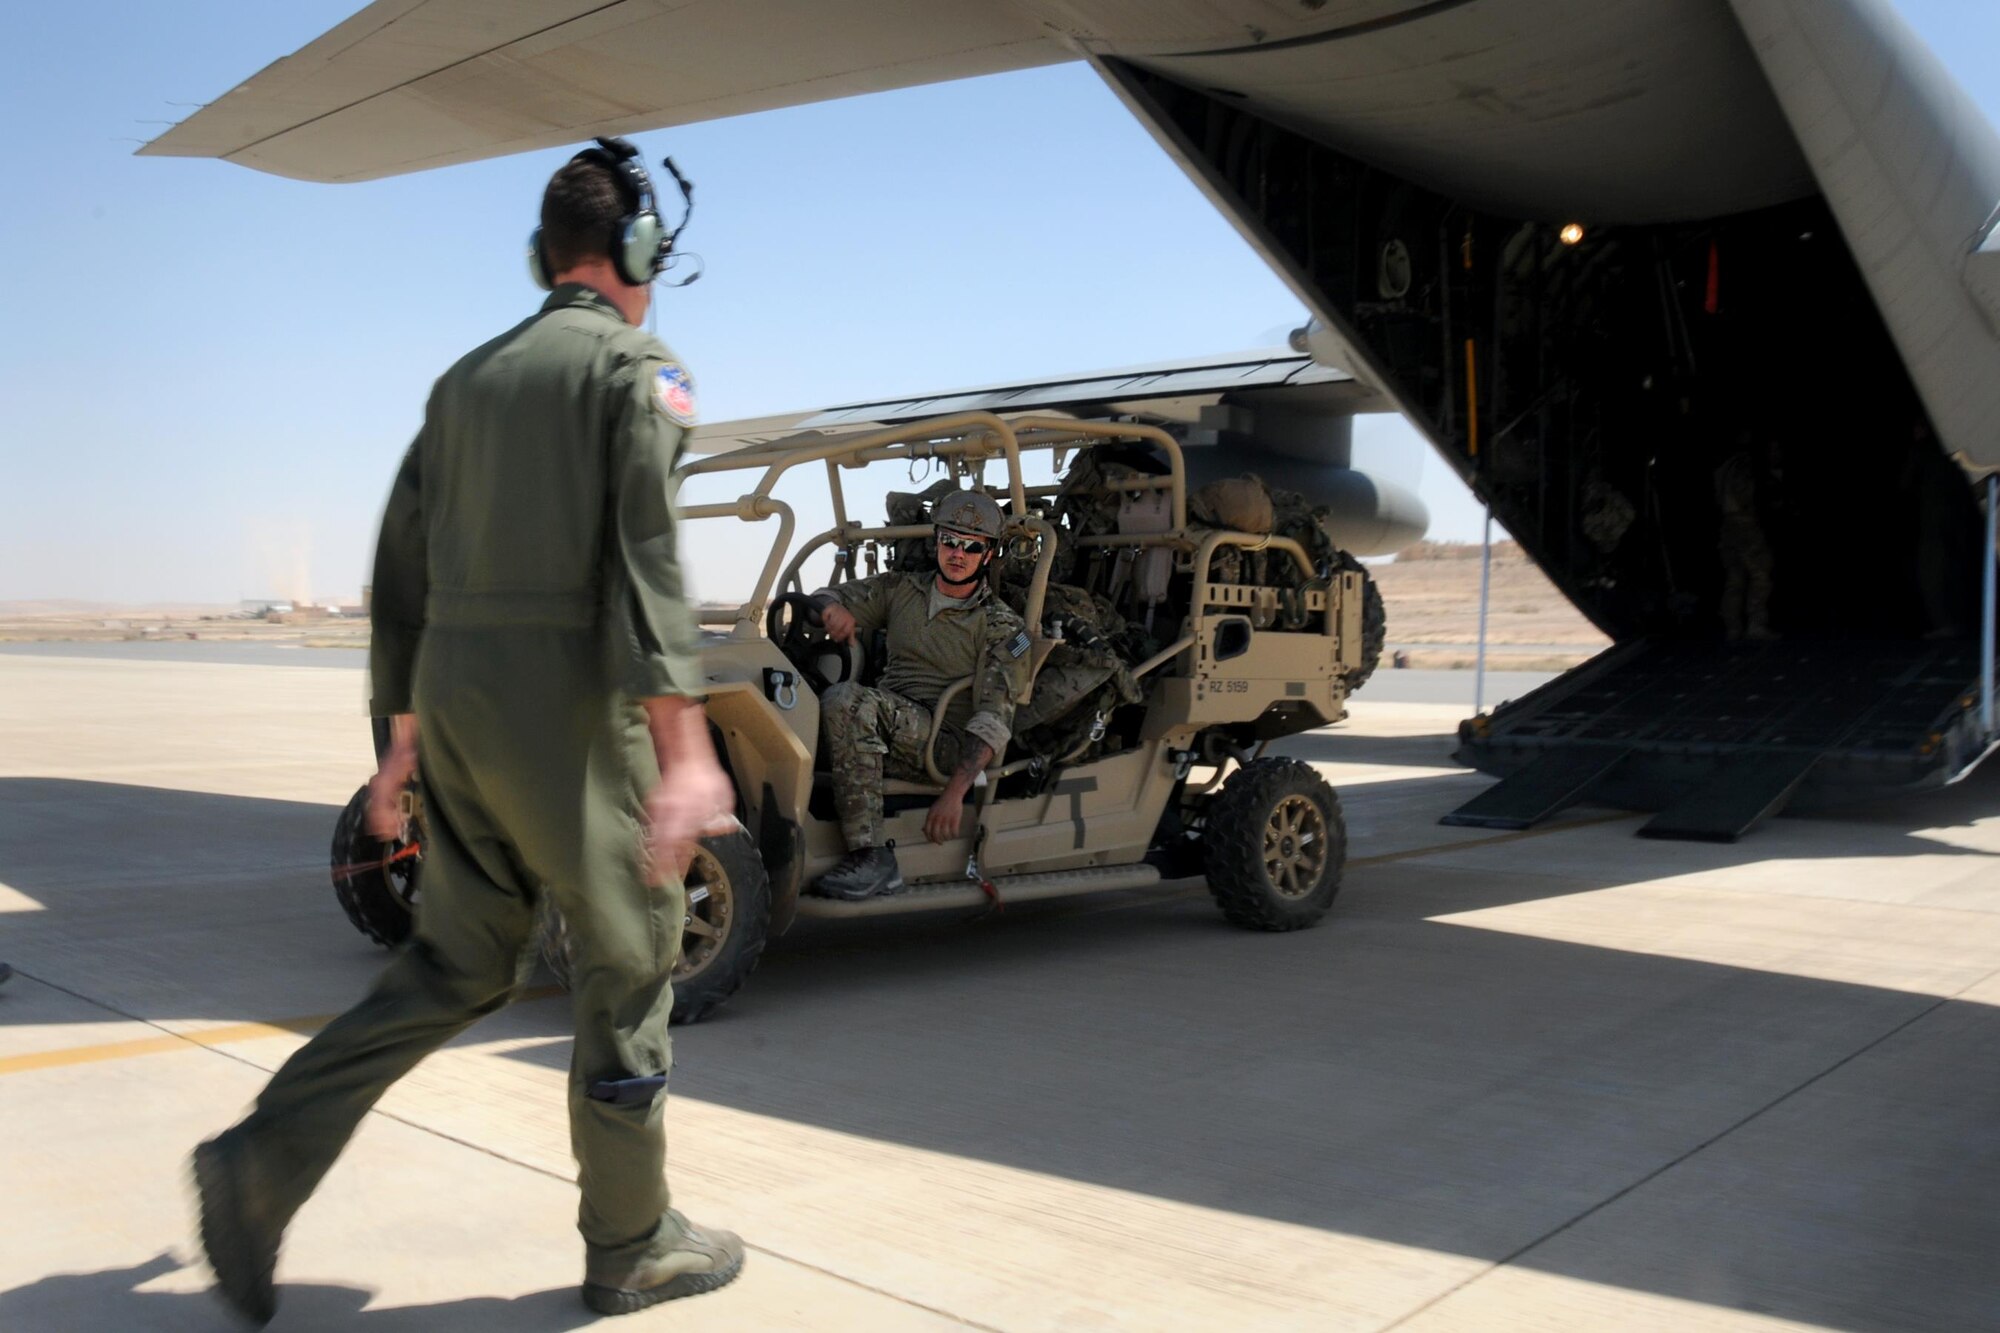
(1167, 649)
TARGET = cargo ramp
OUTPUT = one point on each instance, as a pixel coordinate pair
(1719, 737)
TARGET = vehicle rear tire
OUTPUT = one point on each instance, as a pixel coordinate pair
(1276, 845)
(724, 933)
(378, 894)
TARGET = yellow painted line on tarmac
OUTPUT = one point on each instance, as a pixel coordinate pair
(175, 1041)
(180, 1041)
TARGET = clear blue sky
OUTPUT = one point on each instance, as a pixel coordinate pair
(207, 374)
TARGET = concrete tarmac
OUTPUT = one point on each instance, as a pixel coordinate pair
(1564, 1079)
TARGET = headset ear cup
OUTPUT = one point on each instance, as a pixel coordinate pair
(638, 258)
(538, 262)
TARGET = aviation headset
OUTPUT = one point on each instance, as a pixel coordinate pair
(639, 244)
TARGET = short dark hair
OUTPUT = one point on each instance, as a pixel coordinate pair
(580, 213)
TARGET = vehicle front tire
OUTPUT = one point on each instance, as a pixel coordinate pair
(723, 935)
(379, 894)
(1275, 846)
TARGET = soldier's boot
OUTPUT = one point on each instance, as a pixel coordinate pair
(240, 1240)
(697, 1261)
(866, 872)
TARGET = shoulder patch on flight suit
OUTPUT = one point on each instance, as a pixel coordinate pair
(673, 394)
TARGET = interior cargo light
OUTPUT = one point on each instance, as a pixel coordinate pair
(1571, 233)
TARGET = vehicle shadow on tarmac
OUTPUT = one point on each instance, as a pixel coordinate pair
(114, 1299)
(1754, 1134)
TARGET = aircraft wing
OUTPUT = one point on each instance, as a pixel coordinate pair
(1165, 392)
(409, 84)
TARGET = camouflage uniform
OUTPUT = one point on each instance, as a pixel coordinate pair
(934, 641)
(1086, 674)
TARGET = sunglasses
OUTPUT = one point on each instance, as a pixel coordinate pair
(969, 545)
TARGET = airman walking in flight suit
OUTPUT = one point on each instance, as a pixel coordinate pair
(942, 626)
(534, 651)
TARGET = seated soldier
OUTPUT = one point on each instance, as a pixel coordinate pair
(943, 625)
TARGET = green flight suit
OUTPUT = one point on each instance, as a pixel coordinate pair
(526, 592)
(933, 642)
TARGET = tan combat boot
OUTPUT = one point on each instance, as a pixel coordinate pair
(699, 1260)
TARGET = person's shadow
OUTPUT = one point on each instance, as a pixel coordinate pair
(68, 1302)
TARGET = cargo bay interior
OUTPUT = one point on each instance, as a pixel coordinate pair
(1702, 431)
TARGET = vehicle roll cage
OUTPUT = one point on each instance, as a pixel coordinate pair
(966, 441)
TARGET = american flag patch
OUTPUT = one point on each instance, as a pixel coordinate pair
(1018, 644)
(673, 394)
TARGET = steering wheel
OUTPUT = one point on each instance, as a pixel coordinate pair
(794, 626)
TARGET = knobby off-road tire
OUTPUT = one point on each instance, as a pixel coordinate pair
(379, 899)
(728, 921)
(1275, 846)
(1374, 625)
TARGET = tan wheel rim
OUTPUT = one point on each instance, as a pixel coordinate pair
(1295, 847)
(711, 909)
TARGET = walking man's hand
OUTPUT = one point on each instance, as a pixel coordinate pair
(693, 800)
(392, 774)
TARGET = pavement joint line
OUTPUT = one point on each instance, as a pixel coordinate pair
(1516, 835)
(168, 1040)
(215, 1038)
(1508, 1260)
(1148, 898)
(546, 992)
(308, 1024)
(1384, 858)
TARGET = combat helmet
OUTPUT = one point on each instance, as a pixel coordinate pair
(969, 511)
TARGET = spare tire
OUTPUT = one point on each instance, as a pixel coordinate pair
(1374, 624)
(375, 881)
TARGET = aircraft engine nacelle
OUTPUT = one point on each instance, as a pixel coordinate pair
(1369, 516)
